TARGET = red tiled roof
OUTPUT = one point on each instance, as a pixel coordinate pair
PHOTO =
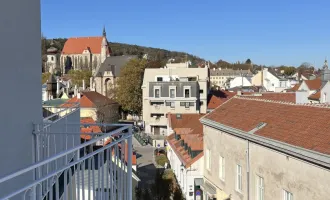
(216, 98)
(79, 44)
(190, 129)
(89, 129)
(285, 96)
(315, 96)
(314, 84)
(304, 126)
(89, 99)
(295, 87)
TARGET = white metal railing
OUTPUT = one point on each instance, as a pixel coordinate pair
(68, 167)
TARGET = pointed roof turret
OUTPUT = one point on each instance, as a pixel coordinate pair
(104, 32)
(325, 66)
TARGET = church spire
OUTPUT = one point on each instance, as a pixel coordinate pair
(104, 33)
(325, 66)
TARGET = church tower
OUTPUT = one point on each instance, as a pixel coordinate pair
(104, 47)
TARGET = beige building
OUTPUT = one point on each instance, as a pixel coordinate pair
(105, 76)
(258, 149)
(95, 106)
(175, 90)
(221, 77)
(84, 53)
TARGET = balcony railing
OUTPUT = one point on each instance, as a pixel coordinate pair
(69, 167)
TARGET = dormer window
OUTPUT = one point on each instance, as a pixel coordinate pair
(159, 79)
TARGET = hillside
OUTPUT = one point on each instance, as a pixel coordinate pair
(128, 49)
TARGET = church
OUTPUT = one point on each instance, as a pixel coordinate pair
(84, 53)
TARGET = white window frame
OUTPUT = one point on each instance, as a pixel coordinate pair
(169, 90)
(239, 184)
(222, 168)
(160, 91)
(260, 186)
(287, 195)
(208, 159)
(184, 90)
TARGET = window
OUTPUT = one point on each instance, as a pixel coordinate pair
(201, 91)
(172, 93)
(222, 168)
(208, 159)
(239, 178)
(52, 58)
(260, 188)
(159, 79)
(187, 105)
(191, 104)
(172, 104)
(157, 93)
(287, 195)
(186, 93)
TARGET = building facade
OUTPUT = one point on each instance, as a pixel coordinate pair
(270, 81)
(185, 152)
(172, 90)
(104, 78)
(221, 77)
(251, 151)
(84, 53)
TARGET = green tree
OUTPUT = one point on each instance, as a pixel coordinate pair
(177, 195)
(161, 190)
(45, 77)
(248, 61)
(78, 75)
(128, 91)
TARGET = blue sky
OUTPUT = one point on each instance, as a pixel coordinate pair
(287, 32)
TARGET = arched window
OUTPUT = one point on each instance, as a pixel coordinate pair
(52, 58)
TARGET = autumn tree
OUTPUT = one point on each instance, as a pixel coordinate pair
(128, 90)
(177, 195)
(77, 77)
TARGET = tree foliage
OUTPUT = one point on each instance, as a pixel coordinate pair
(248, 61)
(77, 77)
(45, 77)
(128, 91)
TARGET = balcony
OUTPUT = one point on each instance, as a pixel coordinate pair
(158, 121)
(158, 108)
(68, 167)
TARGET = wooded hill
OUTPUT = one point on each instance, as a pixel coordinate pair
(128, 49)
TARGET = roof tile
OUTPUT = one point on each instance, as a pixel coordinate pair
(298, 125)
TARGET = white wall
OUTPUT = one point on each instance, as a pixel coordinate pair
(325, 93)
(21, 69)
(186, 178)
(237, 82)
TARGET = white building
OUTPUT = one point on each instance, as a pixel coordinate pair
(220, 77)
(185, 152)
(174, 90)
(240, 82)
(270, 81)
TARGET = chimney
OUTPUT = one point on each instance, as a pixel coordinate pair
(239, 92)
(83, 83)
(78, 95)
(75, 90)
(58, 86)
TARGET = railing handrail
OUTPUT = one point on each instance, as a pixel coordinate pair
(75, 105)
(63, 168)
(61, 154)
